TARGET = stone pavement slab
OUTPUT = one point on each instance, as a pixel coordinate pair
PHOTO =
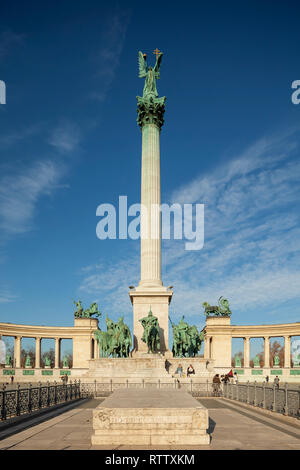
(229, 429)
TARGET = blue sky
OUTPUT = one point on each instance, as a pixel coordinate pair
(69, 142)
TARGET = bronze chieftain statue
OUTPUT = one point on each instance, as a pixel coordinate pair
(151, 332)
(186, 339)
(116, 341)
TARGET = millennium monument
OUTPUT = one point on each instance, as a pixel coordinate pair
(114, 355)
(150, 294)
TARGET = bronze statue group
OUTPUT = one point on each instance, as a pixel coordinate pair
(116, 341)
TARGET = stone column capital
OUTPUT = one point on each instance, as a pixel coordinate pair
(151, 111)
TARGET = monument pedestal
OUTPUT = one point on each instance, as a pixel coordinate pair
(157, 299)
(150, 418)
(147, 367)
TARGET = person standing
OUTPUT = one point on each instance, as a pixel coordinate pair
(216, 385)
(179, 370)
(276, 381)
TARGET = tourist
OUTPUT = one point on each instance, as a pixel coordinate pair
(11, 379)
(190, 370)
(216, 385)
(179, 370)
(276, 381)
(225, 379)
(267, 379)
(235, 378)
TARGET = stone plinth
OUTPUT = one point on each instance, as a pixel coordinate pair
(158, 300)
(150, 418)
(218, 340)
(82, 340)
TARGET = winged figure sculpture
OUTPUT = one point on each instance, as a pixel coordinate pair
(150, 74)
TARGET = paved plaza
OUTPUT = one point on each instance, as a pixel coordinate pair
(231, 426)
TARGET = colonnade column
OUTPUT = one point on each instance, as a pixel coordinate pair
(267, 351)
(287, 351)
(247, 351)
(37, 353)
(57, 352)
(17, 351)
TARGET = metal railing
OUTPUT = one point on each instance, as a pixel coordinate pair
(101, 389)
(25, 400)
(284, 399)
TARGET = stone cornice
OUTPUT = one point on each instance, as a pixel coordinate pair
(243, 331)
(38, 331)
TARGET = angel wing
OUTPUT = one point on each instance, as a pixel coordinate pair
(142, 66)
(157, 65)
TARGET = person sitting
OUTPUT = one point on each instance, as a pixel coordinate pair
(190, 370)
(179, 370)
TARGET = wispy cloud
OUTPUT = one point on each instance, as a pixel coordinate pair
(17, 136)
(108, 57)
(251, 253)
(108, 283)
(6, 297)
(20, 193)
(65, 137)
(252, 228)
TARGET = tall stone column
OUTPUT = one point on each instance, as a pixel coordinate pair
(267, 352)
(287, 351)
(57, 353)
(150, 208)
(17, 351)
(37, 353)
(150, 294)
(247, 351)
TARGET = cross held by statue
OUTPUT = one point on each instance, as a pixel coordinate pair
(157, 52)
